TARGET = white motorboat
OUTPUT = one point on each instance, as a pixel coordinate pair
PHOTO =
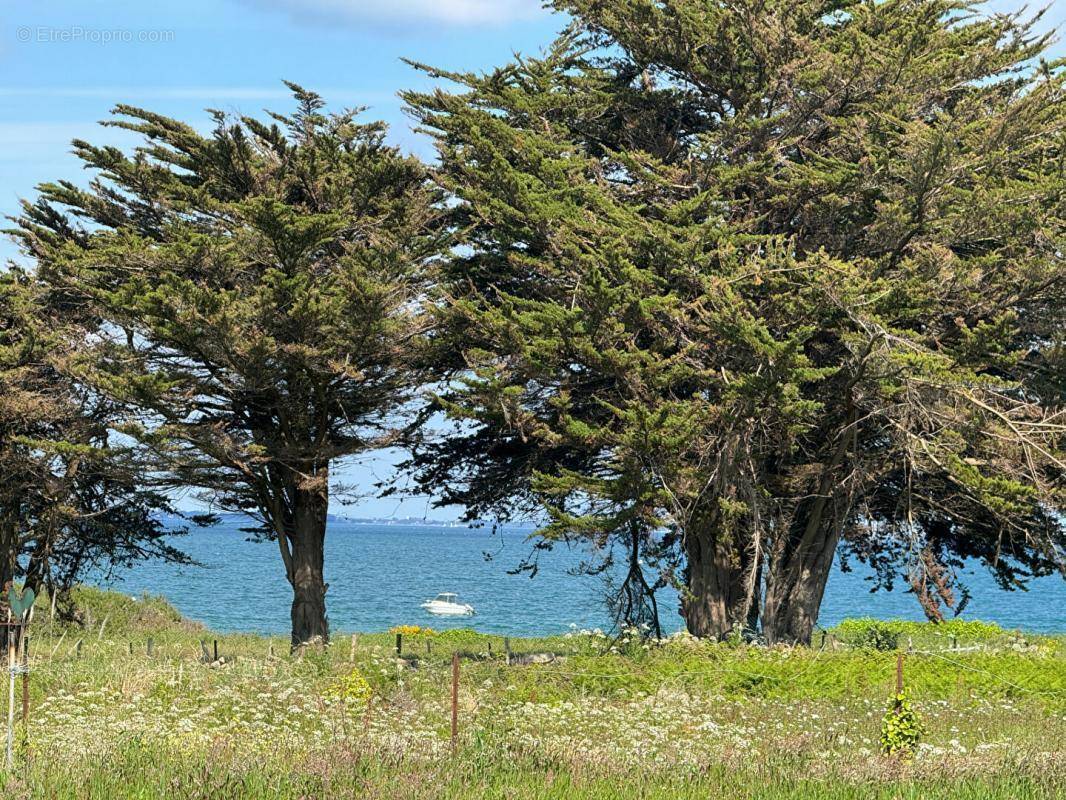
(446, 604)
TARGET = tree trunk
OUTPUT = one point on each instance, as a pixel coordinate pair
(305, 570)
(797, 579)
(714, 603)
(799, 566)
(9, 550)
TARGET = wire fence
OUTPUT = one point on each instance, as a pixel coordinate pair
(581, 664)
(554, 659)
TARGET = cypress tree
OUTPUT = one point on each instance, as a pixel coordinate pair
(72, 494)
(778, 278)
(257, 288)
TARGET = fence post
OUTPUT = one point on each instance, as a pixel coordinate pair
(455, 701)
(216, 649)
(25, 692)
(507, 650)
(150, 646)
(9, 641)
(399, 644)
(899, 676)
(351, 651)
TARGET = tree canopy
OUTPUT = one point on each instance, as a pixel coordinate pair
(783, 279)
(258, 290)
(72, 492)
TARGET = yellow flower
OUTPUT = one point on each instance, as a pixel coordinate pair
(412, 630)
(353, 688)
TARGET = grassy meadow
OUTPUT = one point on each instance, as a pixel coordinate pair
(607, 718)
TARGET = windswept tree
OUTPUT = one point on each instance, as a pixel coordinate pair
(72, 493)
(770, 276)
(258, 289)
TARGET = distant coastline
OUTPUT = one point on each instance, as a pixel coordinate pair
(230, 519)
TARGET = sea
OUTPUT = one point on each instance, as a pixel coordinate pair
(378, 574)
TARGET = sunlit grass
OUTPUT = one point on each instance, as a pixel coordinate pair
(605, 718)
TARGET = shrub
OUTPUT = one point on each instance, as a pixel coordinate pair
(879, 634)
(353, 688)
(412, 630)
(901, 728)
(871, 634)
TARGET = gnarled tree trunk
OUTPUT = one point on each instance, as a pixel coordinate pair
(798, 574)
(9, 550)
(715, 600)
(799, 565)
(305, 559)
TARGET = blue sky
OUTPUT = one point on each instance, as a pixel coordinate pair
(64, 64)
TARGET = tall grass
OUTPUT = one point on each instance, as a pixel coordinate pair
(607, 718)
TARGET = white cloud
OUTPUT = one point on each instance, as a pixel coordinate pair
(451, 12)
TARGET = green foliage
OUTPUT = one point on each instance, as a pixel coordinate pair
(684, 718)
(353, 688)
(761, 274)
(257, 290)
(139, 769)
(460, 637)
(871, 634)
(888, 634)
(124, 615)
(901, 728)
(73, 494)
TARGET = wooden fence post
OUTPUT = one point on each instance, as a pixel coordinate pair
(455, 701)
(57, 645)
(216, 649)
(399, 644)
(25, 692)
(899, 677)
(507, 650)
(9, 640)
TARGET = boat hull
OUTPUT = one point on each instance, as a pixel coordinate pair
(448, 610)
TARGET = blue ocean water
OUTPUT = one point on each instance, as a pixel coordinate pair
(378, 575)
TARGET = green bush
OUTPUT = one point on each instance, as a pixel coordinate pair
(890, 634)
(872, 634)
(901, 728)
(122, 613)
